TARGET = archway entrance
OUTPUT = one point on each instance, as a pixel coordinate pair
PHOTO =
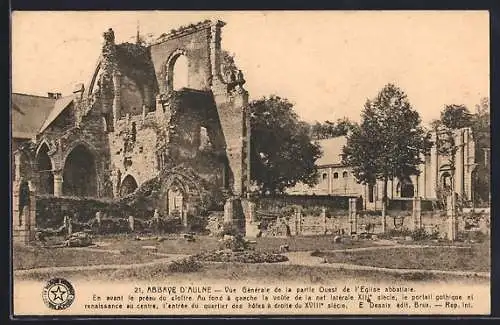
(405, 188)
(44, 167)
(79, 176)
(24, 203)
(129, 185)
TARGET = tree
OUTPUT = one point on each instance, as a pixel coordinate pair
(330, 129)
(389, 142)
(455, 117)
(282, 153)
(480, 124)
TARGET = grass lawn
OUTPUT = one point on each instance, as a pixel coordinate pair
(473, 258)
(34, 257)
(175, 245)
(264, 274)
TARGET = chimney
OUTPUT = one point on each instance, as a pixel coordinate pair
(54, 95)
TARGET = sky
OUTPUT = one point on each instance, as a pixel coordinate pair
(328, 63)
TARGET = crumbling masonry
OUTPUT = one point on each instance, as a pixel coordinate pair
(128, 125)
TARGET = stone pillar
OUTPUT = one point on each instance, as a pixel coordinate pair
(384, 228)
(452, 218)
(131, 223)
(23, 217)
(353, 216)
(228, 211)
(17, 166)
(323, 218)
(251, 224)
(184, 216)
(459, 164)
(98, 217)
(116, 98)
(433, 168)
(298, 221)
(58, 182)
(417, 213)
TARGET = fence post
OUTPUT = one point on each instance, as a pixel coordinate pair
(417, 213)
(131, 222)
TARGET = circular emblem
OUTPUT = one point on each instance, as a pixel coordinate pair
(58, 294)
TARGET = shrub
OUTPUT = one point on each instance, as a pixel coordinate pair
(185, 265)
(198, 224)
(241, 257)
(236, 243)
(476, 236)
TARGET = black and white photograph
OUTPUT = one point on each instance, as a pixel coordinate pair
(246, 163)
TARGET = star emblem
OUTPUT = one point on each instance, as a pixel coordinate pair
(58, 293)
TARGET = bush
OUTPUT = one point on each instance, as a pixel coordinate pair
(241, 257)
(198, 224)
(418, 234)
(236, 243)
(185, 265)
(476, 236)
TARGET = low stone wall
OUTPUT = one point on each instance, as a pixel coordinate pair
(307, 225)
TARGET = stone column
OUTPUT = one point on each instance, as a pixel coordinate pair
(17, 166)
(228, 211)
(116, 98)
(459, 164)
(58, 182)
(434, 168)
(323, 218)
(298, 220)
(384, 228)
(353, 216)
(452, 218)
(417, 213)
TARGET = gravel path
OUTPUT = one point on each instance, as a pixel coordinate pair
(53, 269)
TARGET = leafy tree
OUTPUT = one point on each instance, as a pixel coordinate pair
(282, 153)
(389, 142)
(455, 117)
(330, 129)
(480, 124)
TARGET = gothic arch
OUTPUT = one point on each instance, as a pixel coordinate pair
(168, 69)
(77, 143)
(80, 172)
(405, 188)
(128, 185)
(44, 167)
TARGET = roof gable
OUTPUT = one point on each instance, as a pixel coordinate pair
(28, 114)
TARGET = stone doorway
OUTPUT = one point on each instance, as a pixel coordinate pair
(80, 177)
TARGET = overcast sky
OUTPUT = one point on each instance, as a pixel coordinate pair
(327, 63)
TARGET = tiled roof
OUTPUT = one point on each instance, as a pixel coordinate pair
(28, 114)
(59, 106)
(332, 151)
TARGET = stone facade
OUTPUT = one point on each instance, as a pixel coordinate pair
(436, 174)
(128, 124)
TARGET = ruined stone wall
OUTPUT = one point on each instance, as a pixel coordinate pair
(140, 159)
(194, 45)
